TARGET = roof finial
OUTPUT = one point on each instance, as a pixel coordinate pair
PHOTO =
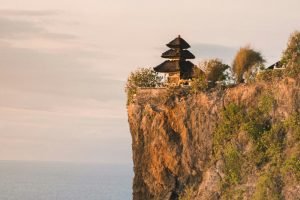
(179, 35)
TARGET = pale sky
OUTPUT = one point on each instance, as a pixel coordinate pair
(63, 64)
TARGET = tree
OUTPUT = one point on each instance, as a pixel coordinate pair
(291, 56)
(246, 63)
(142, 77)
(293, 48)
(214, 70)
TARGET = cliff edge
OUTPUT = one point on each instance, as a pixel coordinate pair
(236, 143)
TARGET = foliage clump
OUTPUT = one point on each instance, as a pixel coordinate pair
(270, 75)
(257, 120)
(291, 55)
(214, 70)
(292, 51)
(231, 119)
(246, 64)
(266, 152)
(142, 77)
(269, 186)
(232, 168)
(292, 167)
(188, 193)
(293, 124)
(199, 82)
(209, 73)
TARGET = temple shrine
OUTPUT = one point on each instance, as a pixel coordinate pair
(178, 68)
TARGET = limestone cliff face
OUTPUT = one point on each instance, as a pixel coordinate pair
(173, 143)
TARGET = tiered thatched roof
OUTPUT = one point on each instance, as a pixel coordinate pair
(174, 66)
(177, 55)
(178, 43)
(173, 54)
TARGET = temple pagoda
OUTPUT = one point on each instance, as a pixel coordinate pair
(177, 66)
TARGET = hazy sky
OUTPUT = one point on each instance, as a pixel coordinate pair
(63, 64)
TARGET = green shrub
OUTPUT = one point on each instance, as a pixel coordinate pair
(293, 48)
(199, 82)
(292, 166)
(273, 141)
(293, 124)
(268, 143)
(269, 187)
(291, 56)
(231, 119)
(232, 168)
(214, 70)
(234, 118)
(270, 75)
(266, 102)
(142, 77)
(255, 124)
(267, 138)
(258, 119)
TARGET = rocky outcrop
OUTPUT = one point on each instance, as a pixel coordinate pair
(173, 138)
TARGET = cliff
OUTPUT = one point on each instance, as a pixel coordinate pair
(235, 143)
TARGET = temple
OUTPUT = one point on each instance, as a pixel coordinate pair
(178, 68)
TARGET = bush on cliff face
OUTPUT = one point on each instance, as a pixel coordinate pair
(246, 63)
(292, 167)
(188, 193)
(232, 166)
(142, 77)
(268, 187)
(292, 164)
(293, 125)
(231, 118)
(266, 152)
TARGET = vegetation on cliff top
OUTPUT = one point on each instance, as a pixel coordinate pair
(248, 66)
(142, 77)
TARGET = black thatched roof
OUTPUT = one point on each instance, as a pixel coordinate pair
(275, 65)
(178, 43)
(180, 54)
(174, 66)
